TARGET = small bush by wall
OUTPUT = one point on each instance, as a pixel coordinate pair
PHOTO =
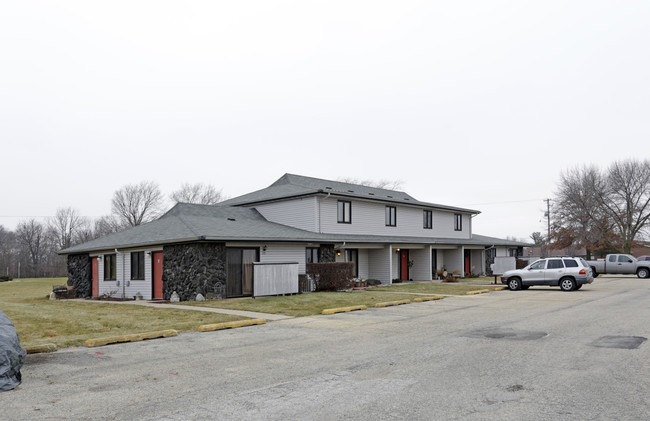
(331, 276)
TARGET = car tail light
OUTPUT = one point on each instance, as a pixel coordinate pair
(582, 272)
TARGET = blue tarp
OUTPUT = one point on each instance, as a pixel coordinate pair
(12, 355)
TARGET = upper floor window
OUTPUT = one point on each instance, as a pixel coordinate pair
(428, 219)
(137, 265)
(110, 267)
(344, 212)
(391, 216)
(458, 222)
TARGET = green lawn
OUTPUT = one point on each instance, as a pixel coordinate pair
(39, 320)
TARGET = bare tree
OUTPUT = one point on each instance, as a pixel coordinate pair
(602, 210)
(65, 226)
(105, 225)
(7, 251)
(31, 237)
(138, 203)
(579, 219)
(199, 193)
(626, 199)
(381, 184)
(538, 238)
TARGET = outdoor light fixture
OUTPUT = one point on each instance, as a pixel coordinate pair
(264, 248)
(338, 253)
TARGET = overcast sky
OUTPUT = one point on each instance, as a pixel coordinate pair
(479, 104)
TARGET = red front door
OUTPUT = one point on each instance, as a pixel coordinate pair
(468, 262)
(404, 265)
(157, 275)
(95, 281)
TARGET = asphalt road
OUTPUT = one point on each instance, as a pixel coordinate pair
(540, 354)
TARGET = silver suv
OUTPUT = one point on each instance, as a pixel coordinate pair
(569, 273)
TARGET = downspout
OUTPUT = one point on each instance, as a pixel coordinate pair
(123, 271)
(320, 224)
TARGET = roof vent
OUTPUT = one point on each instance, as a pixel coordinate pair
(390, 197)
(406, 198)
(371, 194)
(350, 191)
(328, 188)
(231, 219)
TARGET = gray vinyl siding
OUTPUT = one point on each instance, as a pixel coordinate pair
(364, 269)
(368, 218)
(379, 264)
(298, 213)
(285, 253)
(123, 286)
(453, 260)
(421, 269)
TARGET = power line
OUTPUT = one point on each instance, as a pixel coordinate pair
(502, 203)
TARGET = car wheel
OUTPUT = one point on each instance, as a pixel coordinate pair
(567, 284)
(642, 273)
(514, 284)
(593, 272)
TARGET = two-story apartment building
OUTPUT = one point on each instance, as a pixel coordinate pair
(191, 249)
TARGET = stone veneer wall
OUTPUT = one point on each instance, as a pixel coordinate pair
(190, 269)
(327, 253)
(80, 274)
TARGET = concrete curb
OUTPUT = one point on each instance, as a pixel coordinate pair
(500, 288)
(230, 325)
(478, 291)
(130, 338)
(432, 298)
(393, 303)
(343, 309)
(37, 349)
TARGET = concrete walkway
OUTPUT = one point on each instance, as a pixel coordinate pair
(242, 313)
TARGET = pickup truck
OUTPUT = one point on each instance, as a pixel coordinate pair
(620, 264)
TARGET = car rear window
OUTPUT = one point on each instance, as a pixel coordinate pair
(570, 263)
(554, 264)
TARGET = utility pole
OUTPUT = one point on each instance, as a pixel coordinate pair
(548, 220)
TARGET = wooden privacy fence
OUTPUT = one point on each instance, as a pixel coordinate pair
(275, 278)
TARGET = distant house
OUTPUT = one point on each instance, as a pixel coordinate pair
(387, 234)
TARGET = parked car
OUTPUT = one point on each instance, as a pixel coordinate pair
(643, 258)
(620, 264)
(569, 273)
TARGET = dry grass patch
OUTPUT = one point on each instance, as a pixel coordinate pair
(39, 320)
(434, 288)
(302, 304)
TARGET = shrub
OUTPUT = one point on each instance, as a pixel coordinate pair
(5, 278)
(331, 276)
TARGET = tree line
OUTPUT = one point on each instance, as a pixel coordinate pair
(602, 210)
(31, 249)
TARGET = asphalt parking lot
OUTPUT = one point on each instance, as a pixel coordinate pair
(536, 354)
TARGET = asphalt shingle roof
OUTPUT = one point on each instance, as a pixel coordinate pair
(291, 185)
(229, 222)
